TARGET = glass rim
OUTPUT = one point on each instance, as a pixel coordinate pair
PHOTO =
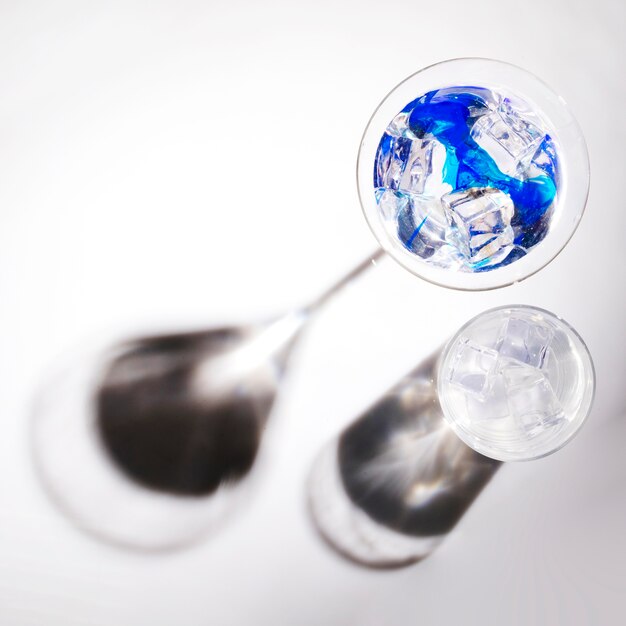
(465, 435)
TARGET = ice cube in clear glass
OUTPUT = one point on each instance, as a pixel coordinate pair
(481, 224)
(507, 136)
(399, 126)
(418, 168)
(525, 341)
(492, 406)
(391, 160)
(532, 401)
(422, 226)
(391, 204)
(448, 257)
(473, 368)
(540, 162)
(400, 152)
(520, 135)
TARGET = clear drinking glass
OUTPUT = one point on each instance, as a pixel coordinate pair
(514, 383)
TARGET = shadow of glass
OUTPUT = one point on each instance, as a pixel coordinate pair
(396, 481)
(159, 427)
(150, 444)
(164, 431)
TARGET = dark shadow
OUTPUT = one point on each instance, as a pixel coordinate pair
(398, 479)
(151, 444)
(162, 432)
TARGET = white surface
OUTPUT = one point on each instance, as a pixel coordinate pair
(176, 165)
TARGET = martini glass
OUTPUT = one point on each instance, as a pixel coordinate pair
(146, 444)
(473, 174)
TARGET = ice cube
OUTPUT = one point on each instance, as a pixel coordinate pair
(399, 126)
(481, 221)
(473, 368)
(422, 225)
(541, 162)
(493, 406)
(531, 399)
(448, 257)
(391, 160)
(525, 341)
(391, 204)
(418, 168)
(507, 135)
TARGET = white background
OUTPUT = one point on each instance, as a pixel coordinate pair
(172, 165)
